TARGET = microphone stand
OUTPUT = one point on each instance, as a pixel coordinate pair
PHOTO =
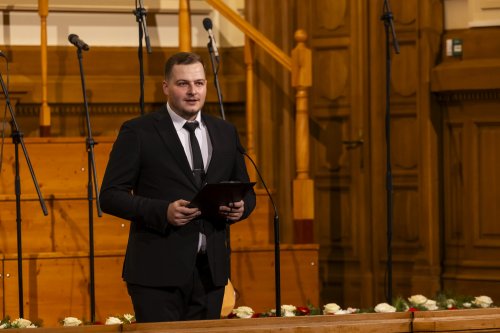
(140, 15)
(92, 175)
(17, 138)
(213, 60)
(276, 227)
(388, 17)
(215, 70)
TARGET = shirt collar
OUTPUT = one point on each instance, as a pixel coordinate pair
(178, 120)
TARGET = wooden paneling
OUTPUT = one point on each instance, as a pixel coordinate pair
(56, 286)
(349, 150)
(253, 273)
(474, 320)
(274, 113)
(57, 173)
(413, 144)
(472, 237)
(258, 227)
(338, 129)
(55, 247)
(444, 159)
(468, 89)
(487, 213)
(112, 82)
(66, 228)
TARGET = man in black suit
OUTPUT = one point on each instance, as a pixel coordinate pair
(176, 264)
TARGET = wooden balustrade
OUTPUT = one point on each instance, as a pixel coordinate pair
(250, 111)
(252, 33)
(43, 10)
(303, 185)
(184, 26)
(299, 64)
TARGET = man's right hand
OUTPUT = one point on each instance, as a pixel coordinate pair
(179, 214)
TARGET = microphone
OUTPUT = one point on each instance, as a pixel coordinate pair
(207, 24)
(76, 41)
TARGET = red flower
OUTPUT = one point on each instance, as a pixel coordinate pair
(302, 311)
(412, 309)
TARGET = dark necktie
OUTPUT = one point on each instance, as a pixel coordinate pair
(198, 173)
(198, 169)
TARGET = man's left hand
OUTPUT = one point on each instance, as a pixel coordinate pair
(233, 211)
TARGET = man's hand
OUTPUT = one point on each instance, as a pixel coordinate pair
(233, 211)
(179, 214)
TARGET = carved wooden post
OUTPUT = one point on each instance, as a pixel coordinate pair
(303, 186)
(184, 26)
(249, 60)
(43, 11)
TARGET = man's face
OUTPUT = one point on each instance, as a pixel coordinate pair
(186, 89)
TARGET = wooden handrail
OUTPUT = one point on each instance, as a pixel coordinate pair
(252, 33)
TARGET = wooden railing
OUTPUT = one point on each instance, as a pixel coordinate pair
(299, 64)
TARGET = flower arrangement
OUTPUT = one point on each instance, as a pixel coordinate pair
(17, 323)
(71, 321)
(413, 303)
(290, 311)
(125, 319)
(114, 320)
(442, 302)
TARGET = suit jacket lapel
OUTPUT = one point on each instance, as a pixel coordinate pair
(168, 134)
(215, 141)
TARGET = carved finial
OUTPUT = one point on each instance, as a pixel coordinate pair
(300, 36)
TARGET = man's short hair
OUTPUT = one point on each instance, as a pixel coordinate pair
(181, 58)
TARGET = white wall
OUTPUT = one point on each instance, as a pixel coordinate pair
(111, 23)
(463, 14)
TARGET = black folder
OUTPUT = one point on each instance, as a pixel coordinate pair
(211, 196)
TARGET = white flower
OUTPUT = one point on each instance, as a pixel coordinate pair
(352, 310)
(450, 303)
(243, 312)
(417, 299)
(467, 305)
(113, 321)
(288, 310)
(384, 307)
(483, 301)
(331, 308)
(32, 326)
(431, 305)
(71, 321)
(21, 323)
(129, 318)
(4, 325)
